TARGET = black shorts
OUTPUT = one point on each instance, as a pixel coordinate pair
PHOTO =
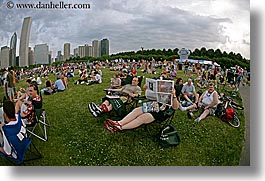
(160, 116)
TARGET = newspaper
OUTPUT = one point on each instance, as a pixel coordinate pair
(160, 90)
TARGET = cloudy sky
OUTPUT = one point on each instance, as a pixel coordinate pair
(132, 24)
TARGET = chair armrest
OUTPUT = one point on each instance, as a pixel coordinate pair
(112, 90)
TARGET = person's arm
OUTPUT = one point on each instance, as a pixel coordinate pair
(200, 99)
(2, 150)
(195, 95)
(183, 90)
(175, 105)
(114, 90)
(119, 84)
(112, 82)
(137, 94)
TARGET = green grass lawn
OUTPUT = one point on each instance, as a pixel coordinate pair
(76, 138)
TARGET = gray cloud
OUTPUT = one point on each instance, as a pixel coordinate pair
(127, 24)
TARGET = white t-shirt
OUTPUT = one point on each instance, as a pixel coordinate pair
(98, 78)
(6, 145)
(208, 97)
(39, 82)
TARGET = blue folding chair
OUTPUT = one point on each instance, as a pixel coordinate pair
(20, 144)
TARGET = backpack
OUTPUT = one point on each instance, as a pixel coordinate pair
(229, 113)
(168, 136)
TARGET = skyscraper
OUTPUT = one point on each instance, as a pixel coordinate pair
(59, 56)
(66, 51)
(95, 47)
(12, 51)
(76, 54)
(24, 42)
(31, 57)
(4, 57)
(86, 50)
(81, 51)
(90, 51)
(50, 57)
(104, 47)
(41, 54)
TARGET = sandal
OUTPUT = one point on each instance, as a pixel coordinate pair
(114, 124)
(108, 127)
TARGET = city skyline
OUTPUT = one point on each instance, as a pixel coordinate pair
(130, 25)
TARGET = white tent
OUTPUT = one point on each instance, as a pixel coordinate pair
(210, 63)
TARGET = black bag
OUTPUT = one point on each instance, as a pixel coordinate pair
(168, 136)
(220, 110)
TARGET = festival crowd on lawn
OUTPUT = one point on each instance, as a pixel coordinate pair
(198, 74)
(22, 101)
(90, 73)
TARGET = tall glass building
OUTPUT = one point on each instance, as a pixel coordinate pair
(104, 47)
(12, 50)
(24, 42)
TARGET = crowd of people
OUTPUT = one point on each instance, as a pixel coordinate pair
(185, 96)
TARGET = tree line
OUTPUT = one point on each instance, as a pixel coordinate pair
(222, 58)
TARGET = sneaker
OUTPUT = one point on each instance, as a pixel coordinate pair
(181, 107)
(96, 107)
(92, 111)
(197, 120)
(189, 114)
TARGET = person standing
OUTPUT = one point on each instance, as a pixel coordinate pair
(10, 85)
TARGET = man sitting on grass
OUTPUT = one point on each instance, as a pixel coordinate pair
(59, 85)
(189, 93)
(129, 90)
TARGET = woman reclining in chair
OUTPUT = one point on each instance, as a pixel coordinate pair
(137, 117)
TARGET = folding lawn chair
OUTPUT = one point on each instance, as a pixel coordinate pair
(22, 148)
(39, 125)
(129, 78)
(24, 153)
(122, 104)
(156, 125)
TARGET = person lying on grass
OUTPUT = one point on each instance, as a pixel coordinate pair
(139, 117)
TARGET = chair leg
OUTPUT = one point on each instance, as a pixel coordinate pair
(42, 126)
(34, 153)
